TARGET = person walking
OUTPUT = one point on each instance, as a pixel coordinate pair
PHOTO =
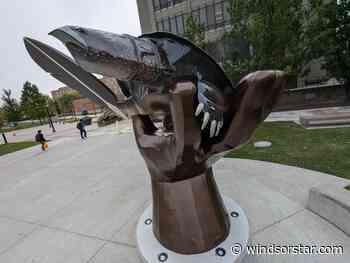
(39, 137)
(81, 128)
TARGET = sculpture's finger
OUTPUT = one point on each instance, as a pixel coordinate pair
(220, 124)
(205, 120)
(138, 125)
(199, 109)
(213, 128)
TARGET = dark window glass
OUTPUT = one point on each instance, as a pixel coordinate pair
(180, 24)
(164, 3)
(156, 5)
(211, 16)
(159, 26)
(219, 14)
(227, 15)
(173, 25)
(177, 1)
(203, 17)
(166, 25)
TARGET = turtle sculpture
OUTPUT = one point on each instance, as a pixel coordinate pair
(186, 115)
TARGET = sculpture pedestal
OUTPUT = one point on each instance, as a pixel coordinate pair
(233, 249)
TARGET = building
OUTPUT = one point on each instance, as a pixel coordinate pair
(84, 104)
(60, 92)
(79, 105)
(170, 16)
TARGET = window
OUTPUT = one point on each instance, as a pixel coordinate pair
(203, 17)
(219, 14)
(177, 1)
(156, 4)
(173, 25)
(164, 3)
(159, 26)
(180, 24)
(227, 15)
(166, 25)
(211, 16)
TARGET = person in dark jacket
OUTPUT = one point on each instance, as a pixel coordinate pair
(39, 137)
(81, 128)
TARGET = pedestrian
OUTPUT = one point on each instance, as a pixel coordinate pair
(39, 137)
(81, 128)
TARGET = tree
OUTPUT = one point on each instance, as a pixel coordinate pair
(52, 105)
(194, 32)
(11, 107)
(33, 103)
(329, 37)
(66, 101)
(2, 118)
(274, 32)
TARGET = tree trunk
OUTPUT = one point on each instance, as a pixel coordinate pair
(347, 90)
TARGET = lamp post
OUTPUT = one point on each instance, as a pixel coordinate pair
(50, 120)
(5, 139)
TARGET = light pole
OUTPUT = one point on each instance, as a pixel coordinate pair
(50, 120)
(5, 139)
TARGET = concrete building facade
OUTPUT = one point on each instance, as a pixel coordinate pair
(170, 16)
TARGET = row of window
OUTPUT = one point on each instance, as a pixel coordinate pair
(210, 17)
(161, 4)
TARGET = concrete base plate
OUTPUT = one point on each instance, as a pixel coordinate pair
(233, 249)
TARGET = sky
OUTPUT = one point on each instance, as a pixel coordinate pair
(36, 18)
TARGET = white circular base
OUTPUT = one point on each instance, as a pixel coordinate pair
(233, 249)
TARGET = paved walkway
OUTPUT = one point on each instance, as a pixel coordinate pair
(80, 201)
(63, 131)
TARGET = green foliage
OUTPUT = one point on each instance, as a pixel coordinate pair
(11, 107)
(66, 101)
(53, 106)
(274, 31)
(33, 103)
(2, 118)
(329, 36)
(194, 32)
(13, 147)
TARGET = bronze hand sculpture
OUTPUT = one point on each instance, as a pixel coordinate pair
(186, 115)
(183, 185)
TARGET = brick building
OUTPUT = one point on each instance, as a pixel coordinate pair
(84, 104)
(61, 91)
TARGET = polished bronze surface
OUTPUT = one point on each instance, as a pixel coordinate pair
(186, 115)
(189, 216)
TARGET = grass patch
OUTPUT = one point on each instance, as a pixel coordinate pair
(13, 147)
(21, 127)
(324, 150)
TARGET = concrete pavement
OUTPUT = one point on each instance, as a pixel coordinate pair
(80, 201)
(63, 131)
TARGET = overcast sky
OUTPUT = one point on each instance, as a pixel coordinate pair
(36, 18)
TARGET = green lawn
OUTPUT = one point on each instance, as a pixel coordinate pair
(13, 147)
(20, 127)
(324, 150)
